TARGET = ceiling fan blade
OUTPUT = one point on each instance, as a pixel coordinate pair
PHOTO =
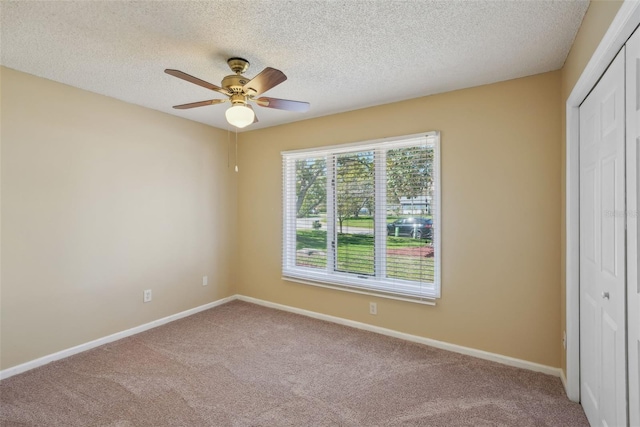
(197, 81)
(267, 79)
(199, 104)
(283, 104)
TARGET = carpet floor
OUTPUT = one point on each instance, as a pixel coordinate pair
(240, 364)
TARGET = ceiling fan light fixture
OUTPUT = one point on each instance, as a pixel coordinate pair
(240, 116)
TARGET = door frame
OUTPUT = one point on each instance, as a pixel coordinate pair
(621, 28)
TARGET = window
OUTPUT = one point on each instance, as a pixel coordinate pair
(365, 216)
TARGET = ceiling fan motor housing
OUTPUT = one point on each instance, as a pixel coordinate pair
(234, 83)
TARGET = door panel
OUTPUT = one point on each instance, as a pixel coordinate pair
(633, 183)
(608, 248)
(602, 250)
(588, 215)
(590, 356)
(609, 386)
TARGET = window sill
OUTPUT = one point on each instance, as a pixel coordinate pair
(363, 291)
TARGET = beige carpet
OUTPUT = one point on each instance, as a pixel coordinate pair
(245, 365)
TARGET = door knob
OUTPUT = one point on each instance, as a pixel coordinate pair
(605, 295)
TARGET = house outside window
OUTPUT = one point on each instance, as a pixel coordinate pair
(365, 216)
(415, 205)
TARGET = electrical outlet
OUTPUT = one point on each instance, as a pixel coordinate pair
(146, 296)
(564, 340)
(205, 280)
(373, 308)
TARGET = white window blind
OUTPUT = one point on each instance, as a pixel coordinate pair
(365, 216)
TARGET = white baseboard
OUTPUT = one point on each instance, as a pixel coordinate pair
(18, 369)
(563, 378)
(505, 360)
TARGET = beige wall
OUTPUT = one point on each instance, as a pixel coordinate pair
(100, 200)
(594, 25)
(500, 210)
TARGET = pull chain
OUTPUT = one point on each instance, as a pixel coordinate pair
(236, 149)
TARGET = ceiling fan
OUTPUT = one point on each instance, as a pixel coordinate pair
(240, 90)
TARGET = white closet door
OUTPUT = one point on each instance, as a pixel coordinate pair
(603, 353)
(633, 191)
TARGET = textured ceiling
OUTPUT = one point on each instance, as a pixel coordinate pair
(337, 55)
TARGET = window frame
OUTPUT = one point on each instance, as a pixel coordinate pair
(328, 277)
